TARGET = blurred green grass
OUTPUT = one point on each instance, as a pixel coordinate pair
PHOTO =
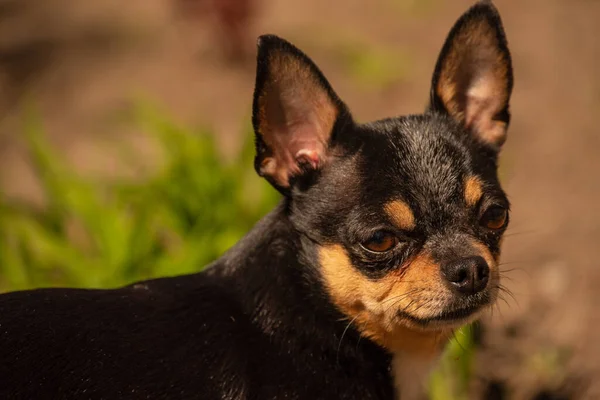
(96, 234)
(92, 233)
(450, 380)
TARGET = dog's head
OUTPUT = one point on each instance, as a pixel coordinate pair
(405, 214)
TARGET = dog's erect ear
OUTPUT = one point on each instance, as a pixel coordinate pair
(473, 77)
(294, 113)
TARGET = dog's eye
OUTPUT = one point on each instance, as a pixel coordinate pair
(381, 242)
(494, 217)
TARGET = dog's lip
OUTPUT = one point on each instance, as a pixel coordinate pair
(451, 316)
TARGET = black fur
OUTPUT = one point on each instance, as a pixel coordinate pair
(258, 323)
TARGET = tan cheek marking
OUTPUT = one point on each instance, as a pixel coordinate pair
(485, 252)
(400, 214)
(348, 288)
(497, 256)
(423, 282)
(473, 190)
(372, 304)
(492, 262)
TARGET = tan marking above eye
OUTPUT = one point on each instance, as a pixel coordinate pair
(400, 214)
(473, 190)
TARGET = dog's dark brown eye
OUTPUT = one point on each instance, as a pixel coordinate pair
(494, 217)
(380, 242)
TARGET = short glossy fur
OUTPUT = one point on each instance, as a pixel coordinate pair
(303, 307)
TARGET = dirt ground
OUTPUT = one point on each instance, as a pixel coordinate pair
(84, 62)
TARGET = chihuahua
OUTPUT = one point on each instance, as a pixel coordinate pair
(385, 242)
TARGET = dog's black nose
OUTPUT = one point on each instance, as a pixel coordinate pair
(467, 275)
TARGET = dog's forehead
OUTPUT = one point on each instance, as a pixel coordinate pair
(425, 157)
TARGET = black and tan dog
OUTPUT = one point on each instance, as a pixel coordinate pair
(386, 240)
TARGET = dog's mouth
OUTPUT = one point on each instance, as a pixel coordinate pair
(451, 316)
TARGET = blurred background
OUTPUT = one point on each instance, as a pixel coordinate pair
(126, 153)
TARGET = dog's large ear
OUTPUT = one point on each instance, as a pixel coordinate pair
(473, 77)
(295, 111)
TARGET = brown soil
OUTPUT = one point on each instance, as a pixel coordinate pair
(85, 61)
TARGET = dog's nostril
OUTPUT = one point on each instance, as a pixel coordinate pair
(467, 275)
(482, 270)
(463, 275)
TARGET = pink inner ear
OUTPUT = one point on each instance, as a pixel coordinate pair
(485, 99)
(297, 114)
(299, 117)
(308, 157)
(293, 147)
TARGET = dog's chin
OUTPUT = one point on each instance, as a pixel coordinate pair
(450, 317)
(445, 320)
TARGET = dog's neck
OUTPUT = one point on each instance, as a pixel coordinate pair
(271, 266)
